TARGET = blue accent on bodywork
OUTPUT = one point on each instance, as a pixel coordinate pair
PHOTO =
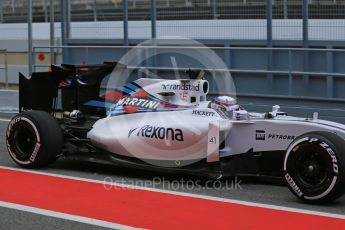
(132, 87)
(102, 104)
(127, 91)
(121, 111)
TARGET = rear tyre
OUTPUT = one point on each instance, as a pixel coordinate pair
(34, 139)
(314, 167)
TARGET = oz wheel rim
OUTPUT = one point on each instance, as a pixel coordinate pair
(313, 167)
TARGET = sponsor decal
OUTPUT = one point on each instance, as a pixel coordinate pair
(34, 153)
(11, 124)
(131, 131)
(281, 137)
(203, 113)
(293, 185)
(182, 86)
(138, 102)
(260, 135)
(157, 132)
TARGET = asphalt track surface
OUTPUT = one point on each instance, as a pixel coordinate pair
(246, 190)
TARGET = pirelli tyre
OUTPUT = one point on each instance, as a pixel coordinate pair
(314, 167)
(34, 139)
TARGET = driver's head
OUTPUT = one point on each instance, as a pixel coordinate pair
(224, 103)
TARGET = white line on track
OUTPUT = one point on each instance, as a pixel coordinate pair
(5, 120)
(205, 197)
(64, 216)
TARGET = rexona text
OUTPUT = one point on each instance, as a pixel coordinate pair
(161, 133)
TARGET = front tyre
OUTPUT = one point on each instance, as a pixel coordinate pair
(34, 139)
(314, 167)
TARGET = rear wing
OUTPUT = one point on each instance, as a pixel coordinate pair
(80, 83)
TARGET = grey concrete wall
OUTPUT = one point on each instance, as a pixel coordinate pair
(9, 101)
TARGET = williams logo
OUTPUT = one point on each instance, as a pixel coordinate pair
(158, 133)
(260, 135)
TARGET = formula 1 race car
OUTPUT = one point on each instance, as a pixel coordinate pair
(170, 125)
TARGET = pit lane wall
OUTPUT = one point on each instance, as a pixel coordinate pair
(258, 91)
(298, 94)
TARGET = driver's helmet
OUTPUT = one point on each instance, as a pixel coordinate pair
(225, 103)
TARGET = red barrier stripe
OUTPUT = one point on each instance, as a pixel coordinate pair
(147, 209)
